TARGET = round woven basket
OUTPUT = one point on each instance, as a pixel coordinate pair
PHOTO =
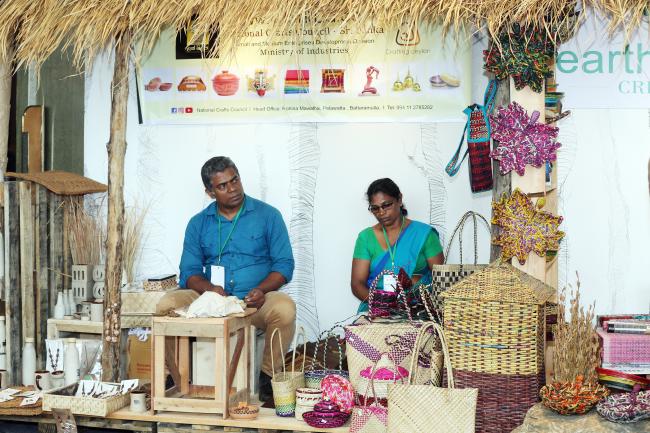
(572, 398)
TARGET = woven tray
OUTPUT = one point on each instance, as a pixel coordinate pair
(57, 399)
(13, 407)
(62, 182)
(141, 302)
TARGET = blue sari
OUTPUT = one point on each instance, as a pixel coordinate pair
(409, 244)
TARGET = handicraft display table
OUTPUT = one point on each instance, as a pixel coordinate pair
(540, 419)
(171, 351)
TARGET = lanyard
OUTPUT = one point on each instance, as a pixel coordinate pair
(392, 251)
(232, 229)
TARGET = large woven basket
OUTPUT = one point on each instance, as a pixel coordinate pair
(502, 400)
(13, 407)
(495, 321)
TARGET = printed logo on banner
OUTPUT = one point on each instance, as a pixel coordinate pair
(617, 69)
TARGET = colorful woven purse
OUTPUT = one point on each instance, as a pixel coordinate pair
(369, 417)
(314, 375)
(477, 129)
(383, 373)
(285, 383)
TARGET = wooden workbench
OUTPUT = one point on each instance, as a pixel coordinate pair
(175, 422)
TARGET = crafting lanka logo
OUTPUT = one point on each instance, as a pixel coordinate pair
(408, 34)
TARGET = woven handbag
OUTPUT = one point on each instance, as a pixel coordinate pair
(446, 275)
(314, 376)
(369, 418)
(410, 406)
(383, 373)
(285, 383)
(365, 343)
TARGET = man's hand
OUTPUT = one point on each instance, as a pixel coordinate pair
(217, 289)
(255, 298)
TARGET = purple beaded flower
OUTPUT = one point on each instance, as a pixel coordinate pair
(522, 140)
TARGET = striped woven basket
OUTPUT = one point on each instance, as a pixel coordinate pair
(285, 383)
(495, 322)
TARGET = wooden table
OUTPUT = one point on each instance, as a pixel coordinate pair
(232, 366)
(175, 422)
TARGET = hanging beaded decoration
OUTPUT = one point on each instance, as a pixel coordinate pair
(522, 140)
(524, 228)
(524, 55)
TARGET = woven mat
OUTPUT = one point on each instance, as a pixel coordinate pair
(13, 407)
(62, 182)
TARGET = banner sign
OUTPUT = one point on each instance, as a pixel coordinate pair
(329, 74)
(595, 71)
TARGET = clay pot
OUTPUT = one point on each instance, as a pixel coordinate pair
(225, 83)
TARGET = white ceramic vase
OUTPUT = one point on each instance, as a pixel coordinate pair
(29, 362)
(60, 307)
(70, 362)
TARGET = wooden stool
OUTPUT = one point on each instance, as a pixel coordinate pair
(230, 362)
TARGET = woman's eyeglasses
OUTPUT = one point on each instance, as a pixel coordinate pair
(384, 206)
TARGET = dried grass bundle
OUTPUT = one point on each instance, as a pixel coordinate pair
(133, 235)
(576, 350)
(86, 233)
(36, 29)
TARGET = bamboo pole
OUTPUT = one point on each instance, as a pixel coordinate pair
(501, 181)
(116, 150)
(5, 111)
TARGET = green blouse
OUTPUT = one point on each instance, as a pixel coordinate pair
(367, 247)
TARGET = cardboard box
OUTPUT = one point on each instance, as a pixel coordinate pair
(139, 356)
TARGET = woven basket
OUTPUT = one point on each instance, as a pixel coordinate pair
(502, 400)
(572, 398)
(314, 376)
(140, 302)
(495, 322)
(376, 377)
(444, 276)
(627, 407)
(365, 344)
(13, 407)
(64, 398)
(285, 383)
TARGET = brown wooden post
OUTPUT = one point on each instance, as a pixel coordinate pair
(114, 241)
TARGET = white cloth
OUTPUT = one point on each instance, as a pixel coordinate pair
(211, 304)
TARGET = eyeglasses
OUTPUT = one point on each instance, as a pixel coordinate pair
(224, 185)
(384, 206)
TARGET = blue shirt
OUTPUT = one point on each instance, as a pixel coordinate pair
(258, 246)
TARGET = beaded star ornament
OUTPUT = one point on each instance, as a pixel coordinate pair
(522, 140)
(524, 228)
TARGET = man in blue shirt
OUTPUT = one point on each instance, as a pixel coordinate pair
(239, 246)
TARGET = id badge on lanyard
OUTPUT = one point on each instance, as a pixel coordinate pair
(390, 282)
(218, 275)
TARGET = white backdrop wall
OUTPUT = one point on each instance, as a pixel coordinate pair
(603, 176)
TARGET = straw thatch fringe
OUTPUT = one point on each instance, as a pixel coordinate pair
(36, 28)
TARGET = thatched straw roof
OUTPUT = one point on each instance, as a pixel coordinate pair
(37, 27)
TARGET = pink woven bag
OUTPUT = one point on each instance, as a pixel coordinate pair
(370, 418)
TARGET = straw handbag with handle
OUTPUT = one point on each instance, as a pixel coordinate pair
(446, 275)
(285, 383)
(369, 418)
(410, 406)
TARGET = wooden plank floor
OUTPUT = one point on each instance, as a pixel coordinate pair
(267, 420)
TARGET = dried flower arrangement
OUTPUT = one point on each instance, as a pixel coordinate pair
(86, 232)
(133, 234)
(576, 343)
